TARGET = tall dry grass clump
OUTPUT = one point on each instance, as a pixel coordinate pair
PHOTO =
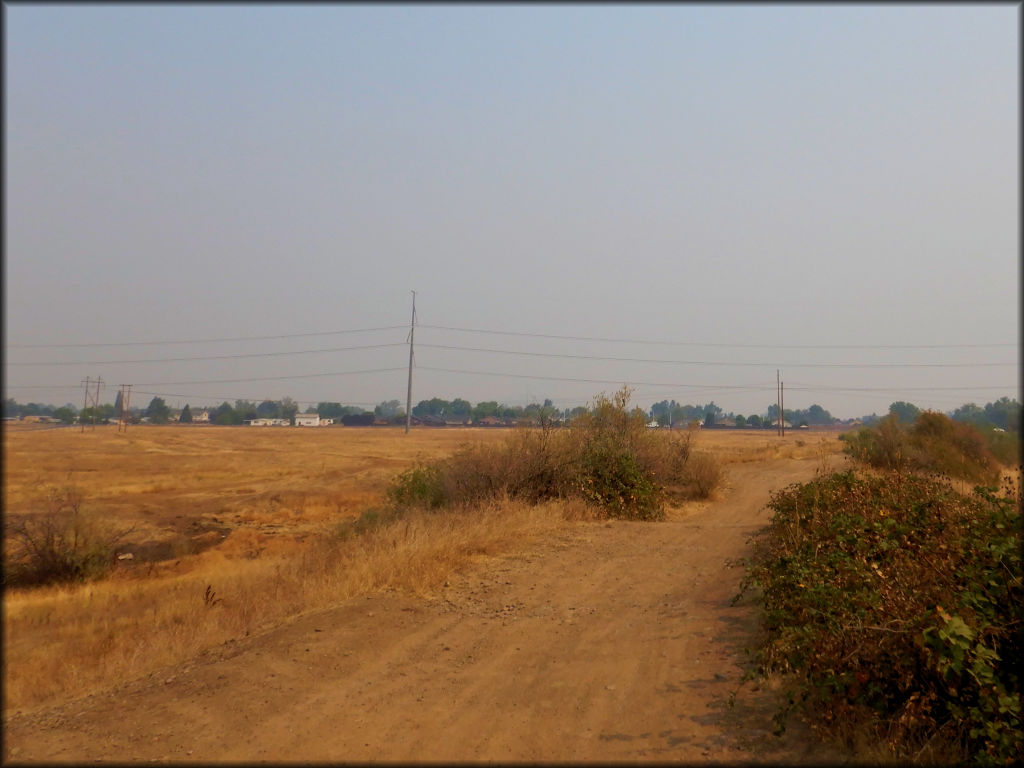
(62, 541)
(607, 457)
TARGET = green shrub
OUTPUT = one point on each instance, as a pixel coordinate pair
(611, 476)
(608, 457)
(421, 486)
(896, 605)
(934, 443)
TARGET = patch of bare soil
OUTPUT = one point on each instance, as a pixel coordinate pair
(614, 642)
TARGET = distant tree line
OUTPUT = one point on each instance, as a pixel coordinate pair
(460, 410)
(670, 412)
(1004, 413)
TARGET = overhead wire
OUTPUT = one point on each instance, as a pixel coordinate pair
(714, 344)
(548, 355)
(606, 358)
(203, 341)
(271, 378)
(216, 357)
(514, 333)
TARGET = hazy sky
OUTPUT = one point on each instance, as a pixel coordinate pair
(722, 191)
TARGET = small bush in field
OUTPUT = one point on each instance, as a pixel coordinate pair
(608, 457)
(897, 606)
(610, 476)
(419, 487)
(60, 543)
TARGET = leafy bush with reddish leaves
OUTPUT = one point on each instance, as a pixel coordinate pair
(896, 606)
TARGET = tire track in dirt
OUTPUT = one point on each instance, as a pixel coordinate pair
(610, 642)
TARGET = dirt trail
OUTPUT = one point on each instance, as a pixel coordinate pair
(614, 642)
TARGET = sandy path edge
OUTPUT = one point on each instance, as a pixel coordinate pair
(612, 642)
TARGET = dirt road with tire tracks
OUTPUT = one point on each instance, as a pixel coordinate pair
(612, 642)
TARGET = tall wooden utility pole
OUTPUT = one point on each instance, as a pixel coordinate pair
(96, 400)
(778, 405)
(782, 406)
(85, 402)
(408, 394)
(122, 417)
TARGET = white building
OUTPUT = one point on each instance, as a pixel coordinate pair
(269, 423)
(307, 419)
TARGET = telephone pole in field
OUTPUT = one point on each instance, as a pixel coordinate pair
(85, 401)
(86, 382)
(778, 404)
(408, 393)
(96, 400)
(122, 417)
(782, 406)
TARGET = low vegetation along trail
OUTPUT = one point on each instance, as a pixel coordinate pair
(615, 641)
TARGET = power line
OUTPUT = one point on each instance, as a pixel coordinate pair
(827, 388)
(803, 388)
(270, 378)
(215, 357)
(513, 333)
(617, 382)
(606, 358)
(706, 387)
(712, 344)
(201, 341)
(719, 363)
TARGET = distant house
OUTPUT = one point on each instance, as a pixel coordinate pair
(268, 422)
(201, 417)
(307, 419)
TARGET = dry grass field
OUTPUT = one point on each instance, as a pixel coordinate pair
(232, 535)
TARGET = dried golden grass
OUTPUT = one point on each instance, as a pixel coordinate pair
(745, 446)
(279, 493)
(107, 632)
